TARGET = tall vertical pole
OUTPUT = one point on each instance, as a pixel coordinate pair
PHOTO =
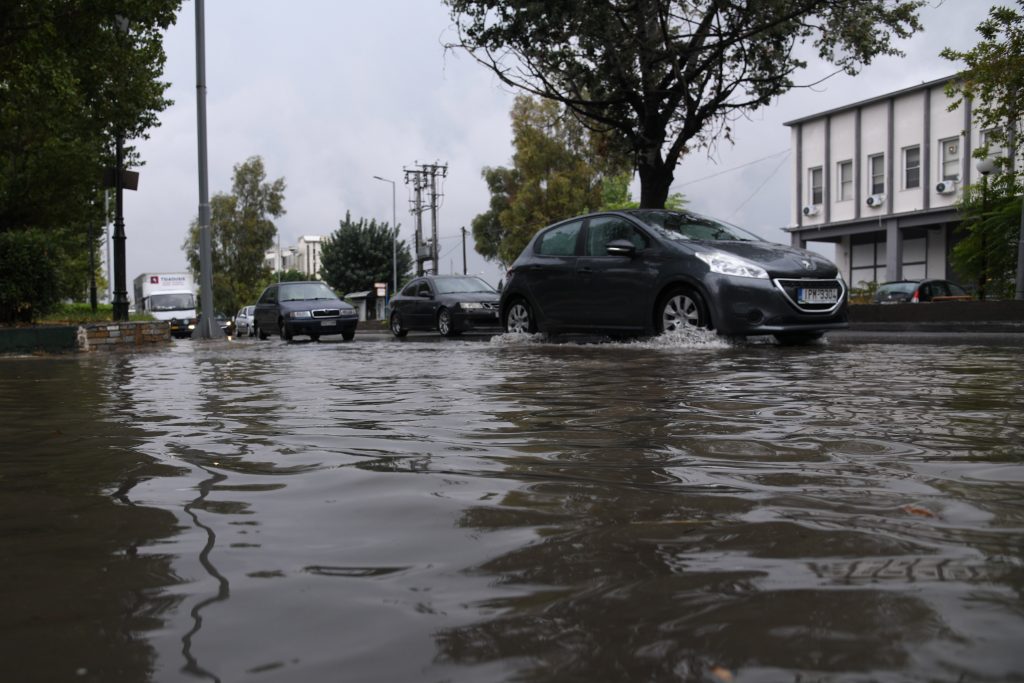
(463, 249)
(120, 282)
(433, 220)
(418, 189)
(106, 235)
(207, 328)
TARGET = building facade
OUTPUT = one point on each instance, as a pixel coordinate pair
(303, 257)
(880, 179)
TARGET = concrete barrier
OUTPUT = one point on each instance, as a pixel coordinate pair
(121, 336)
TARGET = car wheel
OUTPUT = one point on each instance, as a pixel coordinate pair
(260, 334)
(797, 338)
(519, 318)
(444, 323)
(314, 337)
(348, 336)
(285, 334)
(396, 326)
(678, 308)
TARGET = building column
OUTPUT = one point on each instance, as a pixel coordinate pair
(893, 250)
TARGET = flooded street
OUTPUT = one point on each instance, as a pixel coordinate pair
(513, 510)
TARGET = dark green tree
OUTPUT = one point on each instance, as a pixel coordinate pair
(241, 231)
(73, 79)
(991, 252)
(668, 76)
(358, 254)
(559, 169)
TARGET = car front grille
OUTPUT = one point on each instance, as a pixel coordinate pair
(326, 313)
(792, 288)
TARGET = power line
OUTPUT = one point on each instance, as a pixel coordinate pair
(734, 168)
(763, 183)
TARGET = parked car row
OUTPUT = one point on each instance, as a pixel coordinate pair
(920, 291)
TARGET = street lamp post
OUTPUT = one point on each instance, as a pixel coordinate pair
(394, 237)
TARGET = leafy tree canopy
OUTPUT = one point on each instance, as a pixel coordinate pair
(667, 76)
(359, 253)
(241, 231)
(559, 169)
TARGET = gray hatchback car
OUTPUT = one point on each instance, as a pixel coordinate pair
(647, 271)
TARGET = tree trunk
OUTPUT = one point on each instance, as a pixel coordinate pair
(655, 180)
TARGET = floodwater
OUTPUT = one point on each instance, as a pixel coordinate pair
(510, 510)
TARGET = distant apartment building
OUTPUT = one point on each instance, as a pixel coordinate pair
(303, 257)
(880, 179)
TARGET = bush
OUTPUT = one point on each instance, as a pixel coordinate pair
(30, 281)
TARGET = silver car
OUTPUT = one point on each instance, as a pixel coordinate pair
(243, 322)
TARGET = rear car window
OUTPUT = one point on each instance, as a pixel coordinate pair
(560, 240)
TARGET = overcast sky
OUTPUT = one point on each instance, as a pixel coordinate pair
(332, 93)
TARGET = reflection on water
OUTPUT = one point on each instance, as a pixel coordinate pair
(516, 510)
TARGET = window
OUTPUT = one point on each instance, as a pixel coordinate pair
(950, 158)
(845, 172)
(815, 185)
(410, 289)
(867, 258)
(995, 150)
(911, 167)
(560, 240)
(876, 166)
(604, 229)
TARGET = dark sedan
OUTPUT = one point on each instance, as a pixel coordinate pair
(918, 291)
(450, 304)
(303, 308)
(648, 271)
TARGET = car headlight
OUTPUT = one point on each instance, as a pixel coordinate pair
(727, 264)
(470, 305)
(299, 314)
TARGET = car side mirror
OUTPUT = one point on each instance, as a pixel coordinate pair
(620, 248)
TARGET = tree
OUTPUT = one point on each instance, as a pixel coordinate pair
(559, 169)
(358, 254)
(991, 210)
(241, 231)
(668, 76)
(72, 81)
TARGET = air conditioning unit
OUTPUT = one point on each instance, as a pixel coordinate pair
(876, 200)
(811, 210)
(946, 187)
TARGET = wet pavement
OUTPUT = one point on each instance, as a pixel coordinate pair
(504, 509)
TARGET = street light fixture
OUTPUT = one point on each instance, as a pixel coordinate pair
(394, 237)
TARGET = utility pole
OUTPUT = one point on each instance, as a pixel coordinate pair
(425, 177)
(463, 249)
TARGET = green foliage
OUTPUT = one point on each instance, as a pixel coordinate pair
(292, 275)
(71, 81)
(30, 275)
(358, 254)
(990, 225)
(559, 169)
(667, 76)
(83, 313)
(241, 231)
(994, 81)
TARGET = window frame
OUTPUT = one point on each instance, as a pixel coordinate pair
(907, 168)
(816, 191)
(844, 188)
(872, 183)
(944, 159)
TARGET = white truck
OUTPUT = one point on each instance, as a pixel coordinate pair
(170, 297)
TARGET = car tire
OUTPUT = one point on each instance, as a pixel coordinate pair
(314, 337)
(797, 338)
(445, 324)
(260, 334)
(679, 307)
(285, 334)
(396, 326)
(348, 336)
(519, 317)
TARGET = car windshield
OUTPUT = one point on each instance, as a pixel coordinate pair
(462, 285)
(683, 226)
(171, 302)
(898, 287)
(303, 291)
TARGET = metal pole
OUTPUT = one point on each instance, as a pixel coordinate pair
(394, 236)
(92, 270)
(207, 327)
(1019, 294)
(106, 238)
(120, 282)
(463, 249)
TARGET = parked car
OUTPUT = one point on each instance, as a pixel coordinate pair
(303, 308)
(450, 304)
(648, 271)
(244, 320)
(917, 291)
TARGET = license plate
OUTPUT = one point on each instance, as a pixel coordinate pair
(817, 296)
(328, 323)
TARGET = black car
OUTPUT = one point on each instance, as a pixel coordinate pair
(648, 271)
(450, 304)
(304, 308)
(918, 291)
